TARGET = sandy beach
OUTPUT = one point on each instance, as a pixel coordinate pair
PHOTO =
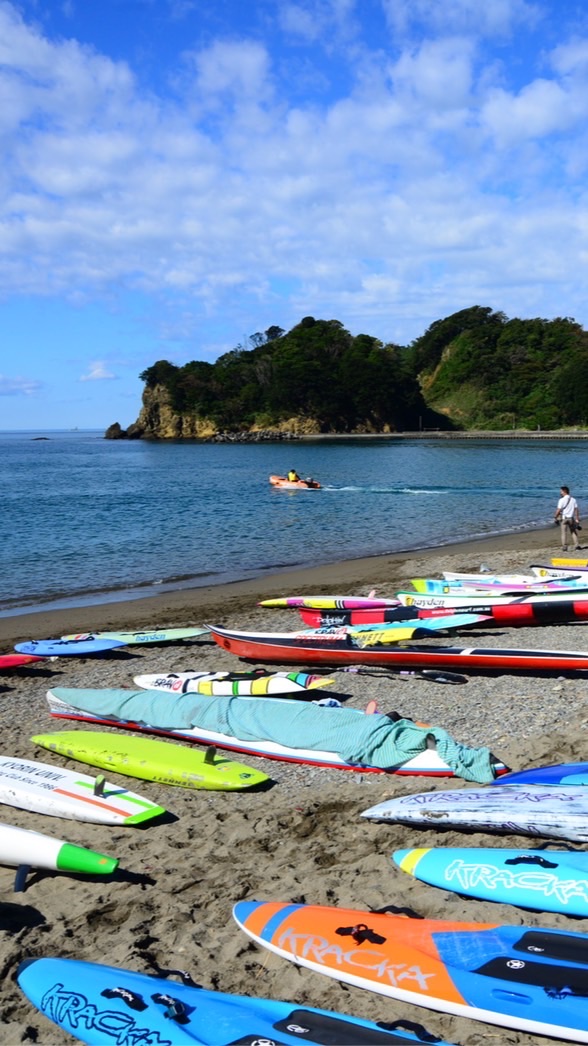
(302, 839)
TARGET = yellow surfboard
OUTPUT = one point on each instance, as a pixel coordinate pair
(152, 760)
(569, 561)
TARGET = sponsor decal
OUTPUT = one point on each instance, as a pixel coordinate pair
(470, 875)
(72, 1010)
(318, 950)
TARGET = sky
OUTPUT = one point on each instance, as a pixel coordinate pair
(178, 175)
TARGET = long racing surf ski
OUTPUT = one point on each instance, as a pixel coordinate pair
(342, 648)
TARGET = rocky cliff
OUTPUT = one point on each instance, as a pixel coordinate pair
(157, 420)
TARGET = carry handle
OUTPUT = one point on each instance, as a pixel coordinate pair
(532, 859)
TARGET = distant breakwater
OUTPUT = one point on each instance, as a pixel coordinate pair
(507, 434)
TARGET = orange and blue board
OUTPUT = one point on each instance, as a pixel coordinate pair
(529, 978)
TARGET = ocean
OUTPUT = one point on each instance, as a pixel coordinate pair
(86, 520)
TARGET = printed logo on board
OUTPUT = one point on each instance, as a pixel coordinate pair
(73, 1011)
(317, 949)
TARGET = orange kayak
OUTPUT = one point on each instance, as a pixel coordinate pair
(299, 484)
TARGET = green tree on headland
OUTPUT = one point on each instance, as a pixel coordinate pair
(316, 371)
(475, 369)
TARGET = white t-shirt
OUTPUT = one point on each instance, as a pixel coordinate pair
(567, 505)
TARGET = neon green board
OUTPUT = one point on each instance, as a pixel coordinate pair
(151, 760)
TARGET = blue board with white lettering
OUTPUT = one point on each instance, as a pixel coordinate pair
(103, 1005)
(547, 880)
(68, 647)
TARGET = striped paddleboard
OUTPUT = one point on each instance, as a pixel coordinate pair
(235, 684)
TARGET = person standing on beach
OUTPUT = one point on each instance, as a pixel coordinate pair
(567, 514)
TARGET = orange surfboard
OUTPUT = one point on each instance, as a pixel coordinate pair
(529, 978)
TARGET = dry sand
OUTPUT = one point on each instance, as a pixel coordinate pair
(300, 840)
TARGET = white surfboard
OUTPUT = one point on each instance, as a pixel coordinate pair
(233, 684)
(25, 849)
(45, 788)
(553, 812)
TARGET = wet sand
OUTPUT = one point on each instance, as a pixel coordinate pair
(189, 606)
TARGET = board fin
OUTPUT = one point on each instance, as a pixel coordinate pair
(21, 877)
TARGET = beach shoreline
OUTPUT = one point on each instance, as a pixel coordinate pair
(185, 606)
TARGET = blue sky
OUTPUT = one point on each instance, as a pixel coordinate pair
(180, 174)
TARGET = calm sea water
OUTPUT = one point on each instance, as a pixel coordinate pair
(85, 520)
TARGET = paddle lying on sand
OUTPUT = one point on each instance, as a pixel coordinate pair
(432, 675)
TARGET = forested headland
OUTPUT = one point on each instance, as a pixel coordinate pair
(474, 370)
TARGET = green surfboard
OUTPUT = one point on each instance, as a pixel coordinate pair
(151, 760)
(155, 635)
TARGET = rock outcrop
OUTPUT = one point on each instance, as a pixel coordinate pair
(158, 421)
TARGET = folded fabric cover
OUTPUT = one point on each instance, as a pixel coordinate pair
(368, 740)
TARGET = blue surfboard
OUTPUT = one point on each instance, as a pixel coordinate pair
(103, 1005)
(422, 626)
(557, 774)
(545, 880)
(67, 647)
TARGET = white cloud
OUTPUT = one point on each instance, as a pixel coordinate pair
(237, 71)
(570, 58)
(98, 372)
(300, 21)
(482, 17)
(437, 75)
(229, 198)
(18, 386)
(542, 108)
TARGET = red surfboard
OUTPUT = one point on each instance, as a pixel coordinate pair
(17, 660)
